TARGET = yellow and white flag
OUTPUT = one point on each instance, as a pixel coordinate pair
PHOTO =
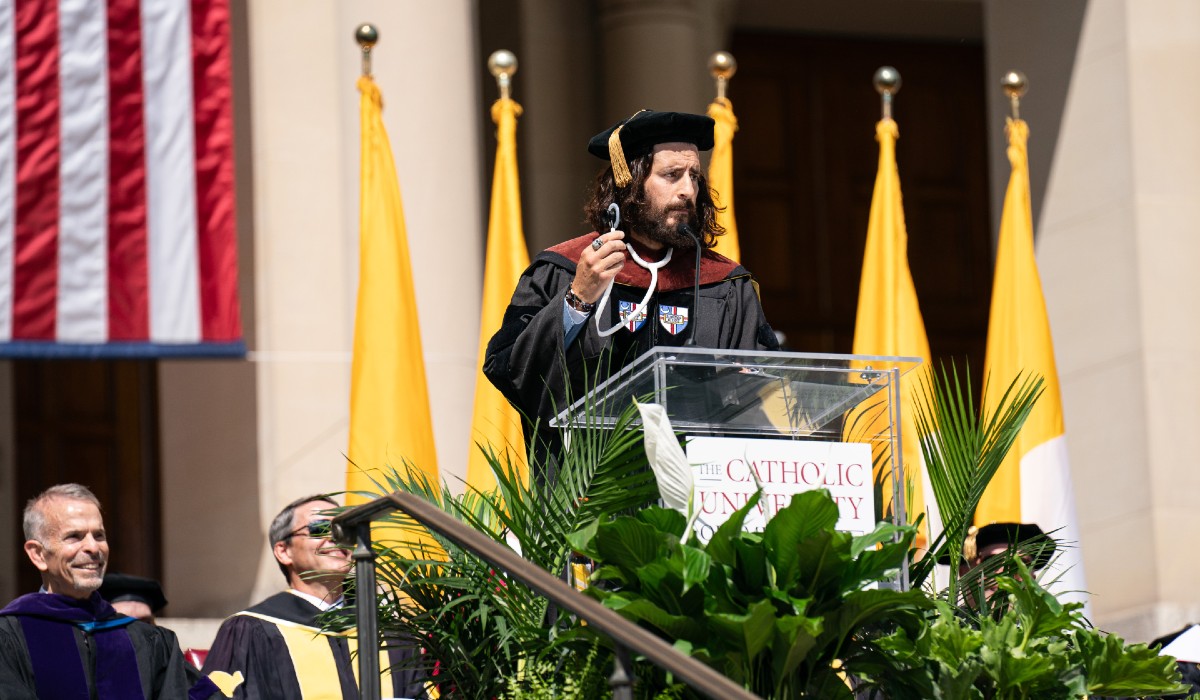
(389, 399)
(1033, 485)
(889, 318)
(496, 422)
(720, 175)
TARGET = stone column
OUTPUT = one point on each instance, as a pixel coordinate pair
(557, 85)
(581, 71)
(653, 57)
(1117, 251)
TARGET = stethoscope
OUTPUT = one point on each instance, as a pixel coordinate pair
(614, 217)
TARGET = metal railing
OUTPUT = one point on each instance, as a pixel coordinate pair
(353, 528)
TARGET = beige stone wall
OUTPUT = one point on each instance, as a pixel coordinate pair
(1117, 250)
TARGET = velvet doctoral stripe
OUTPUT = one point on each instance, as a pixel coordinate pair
(48, 622)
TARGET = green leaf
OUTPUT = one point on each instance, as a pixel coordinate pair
(1009, 664)
(611, 573)
(751, 632)
(581, 540)
(809, 514)
(627, 543)
(720, 545)
(696, 565)
(750, 574)
(796, 635)
(664, 520)
(816, 566)
(1118, 670)
(673, 626)
(877, 564)
(950, 641)
(884, 533)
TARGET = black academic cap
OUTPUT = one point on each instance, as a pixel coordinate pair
(117, 587)
(639, 134)
(1007, 534)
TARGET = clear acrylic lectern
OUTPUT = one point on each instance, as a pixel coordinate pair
(747, 393)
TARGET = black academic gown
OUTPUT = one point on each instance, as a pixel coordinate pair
(160, 663)
(255, 642)
(526, 359)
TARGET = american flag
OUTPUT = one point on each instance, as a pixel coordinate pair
(117, 231)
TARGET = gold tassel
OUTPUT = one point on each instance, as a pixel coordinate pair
(616, 155)
(970, 549)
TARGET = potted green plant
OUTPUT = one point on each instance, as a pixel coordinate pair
(797, 610)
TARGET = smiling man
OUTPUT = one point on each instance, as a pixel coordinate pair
(277, 650)
(562, 320)
(66, 641)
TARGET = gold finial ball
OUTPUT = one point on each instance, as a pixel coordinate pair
(887, 80)
(366, 35)
(502, 62)
(1014, 83)
(722, 64)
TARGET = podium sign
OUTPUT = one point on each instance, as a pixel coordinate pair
(788, 407)
(727, 471)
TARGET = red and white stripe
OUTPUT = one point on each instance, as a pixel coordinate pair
(116, 175)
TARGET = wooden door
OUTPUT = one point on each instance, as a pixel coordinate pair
(93, 422)
(805, 159)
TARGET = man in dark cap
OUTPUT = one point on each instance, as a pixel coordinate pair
(65, 641)
(138, 597)
(1033, 546)
(586, 307)
(983, 543)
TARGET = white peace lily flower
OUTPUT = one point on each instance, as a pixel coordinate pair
(667, 459)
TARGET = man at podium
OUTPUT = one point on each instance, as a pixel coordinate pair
(586, 307)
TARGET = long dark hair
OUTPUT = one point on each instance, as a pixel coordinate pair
(632, 200)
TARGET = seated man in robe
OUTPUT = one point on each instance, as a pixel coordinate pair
(65, 641)
(278, 649)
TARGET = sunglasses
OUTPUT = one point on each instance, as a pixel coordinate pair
(314, 528)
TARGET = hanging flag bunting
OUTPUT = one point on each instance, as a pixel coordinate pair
(1033, 485)
(889, 318)
(720, 175)
(117, 228)
(496, 423)
(389, 400)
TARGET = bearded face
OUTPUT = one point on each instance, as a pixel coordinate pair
(670, 195)
(663, 225)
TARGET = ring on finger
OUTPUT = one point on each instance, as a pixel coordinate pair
(596, 244)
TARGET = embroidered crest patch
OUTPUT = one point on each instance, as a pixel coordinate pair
(673, 318)
(632, 316)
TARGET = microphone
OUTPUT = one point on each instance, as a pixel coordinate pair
(687, 231)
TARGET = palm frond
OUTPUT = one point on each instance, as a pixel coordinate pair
(480, 625)
(963, 447)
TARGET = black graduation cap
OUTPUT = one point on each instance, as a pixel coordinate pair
(639, 134)
(118, 587)
(1009, 534)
